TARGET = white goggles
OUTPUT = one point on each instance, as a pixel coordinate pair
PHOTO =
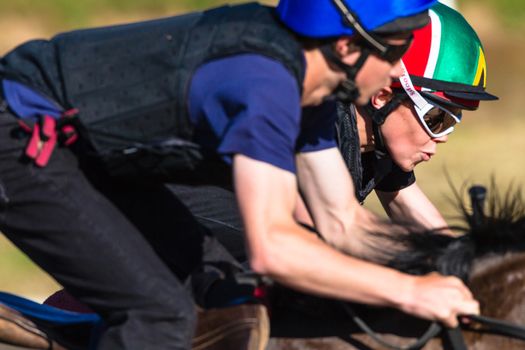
(436, 120)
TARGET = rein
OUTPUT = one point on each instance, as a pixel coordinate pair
(430, 333)
(452, 337)
(483, 324)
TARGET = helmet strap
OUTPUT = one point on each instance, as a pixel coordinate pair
(378, 118)
(347, 91)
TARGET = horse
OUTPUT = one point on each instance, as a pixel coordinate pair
(488, 255)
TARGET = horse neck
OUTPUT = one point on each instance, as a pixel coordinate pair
(498, 283)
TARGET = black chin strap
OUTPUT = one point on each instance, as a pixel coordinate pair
(347, 91)
(378, 118)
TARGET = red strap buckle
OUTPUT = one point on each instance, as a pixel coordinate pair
(43, 141)
(45, 135)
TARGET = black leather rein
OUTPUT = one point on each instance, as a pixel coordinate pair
(452, 337)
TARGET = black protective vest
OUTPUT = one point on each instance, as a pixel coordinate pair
(130, 82)
(368, 172)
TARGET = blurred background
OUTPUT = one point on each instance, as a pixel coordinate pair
(488, 143)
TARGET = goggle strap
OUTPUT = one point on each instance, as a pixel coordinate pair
(420, 104)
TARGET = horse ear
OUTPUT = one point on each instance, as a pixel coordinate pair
(477, 194)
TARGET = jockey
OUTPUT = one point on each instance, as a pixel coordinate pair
(383, 141)
(373, 165)
(240, 90)
(444, 73)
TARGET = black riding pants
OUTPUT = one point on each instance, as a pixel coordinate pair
(216, 209)
(83, 232)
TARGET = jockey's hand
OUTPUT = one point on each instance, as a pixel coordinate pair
(440, 298)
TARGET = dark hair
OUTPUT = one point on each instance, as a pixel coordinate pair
(314, 43)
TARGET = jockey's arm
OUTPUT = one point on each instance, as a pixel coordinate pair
(412, 206)
(283, 250)
(328, 192)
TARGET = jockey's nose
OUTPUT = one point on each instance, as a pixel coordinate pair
(396, 71)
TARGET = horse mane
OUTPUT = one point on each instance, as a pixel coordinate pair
(500, 231)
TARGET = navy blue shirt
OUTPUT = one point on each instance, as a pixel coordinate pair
(250, 104)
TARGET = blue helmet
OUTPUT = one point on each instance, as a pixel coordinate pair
(324, 18)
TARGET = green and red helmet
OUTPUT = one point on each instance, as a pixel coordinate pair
(446, 62)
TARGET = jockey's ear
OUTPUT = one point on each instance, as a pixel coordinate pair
(345, 46)
(382, 97)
